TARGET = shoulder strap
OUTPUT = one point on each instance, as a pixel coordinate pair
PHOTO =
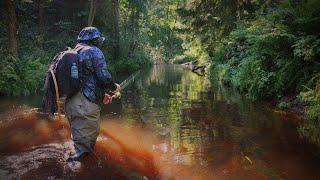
(56, 89)
(78, 48)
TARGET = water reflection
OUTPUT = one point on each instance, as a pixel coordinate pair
(213, 127)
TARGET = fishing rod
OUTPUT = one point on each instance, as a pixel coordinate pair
(130, 79)
(124, 84)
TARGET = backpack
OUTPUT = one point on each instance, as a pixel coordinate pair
(63, 79)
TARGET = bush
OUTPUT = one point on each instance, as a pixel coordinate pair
(310, 128)
(8, 78)
(265, 58)
(130, 65)
(32, 76)
(183, 59)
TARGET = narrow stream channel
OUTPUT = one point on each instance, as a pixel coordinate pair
(206, 128)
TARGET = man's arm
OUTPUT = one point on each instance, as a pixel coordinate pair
(101, 71)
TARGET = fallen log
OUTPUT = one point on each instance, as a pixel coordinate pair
(194, 67)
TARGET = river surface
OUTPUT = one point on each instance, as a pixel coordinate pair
(206, 130)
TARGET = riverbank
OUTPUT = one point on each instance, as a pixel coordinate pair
(275, 58)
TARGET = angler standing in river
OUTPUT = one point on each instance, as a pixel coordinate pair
(79, 79)
(83, 109)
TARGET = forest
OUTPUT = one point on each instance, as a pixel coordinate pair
(269, 50)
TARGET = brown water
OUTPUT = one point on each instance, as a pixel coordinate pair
(169, 124)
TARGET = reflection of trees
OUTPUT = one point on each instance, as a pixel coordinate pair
(136, 98)
(208, 124)
(252, 126)
(148, 97)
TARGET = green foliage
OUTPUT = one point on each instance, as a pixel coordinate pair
(162, 27)
(211, 20)
(311, 124)
(265, 57)
(307, 48)
(8, 77)
(284, 105)
(274, 55)
(183, 59)
(130, 65)
(32, 80)
(219, 54)
(21, 78)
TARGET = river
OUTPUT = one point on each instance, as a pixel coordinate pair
(192, 129)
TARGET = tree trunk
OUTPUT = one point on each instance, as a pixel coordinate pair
(41, 21)
(92, 13)
(170, 44)
(12, 28)
(115, 29)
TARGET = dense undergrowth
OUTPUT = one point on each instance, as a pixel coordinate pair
(276, 55)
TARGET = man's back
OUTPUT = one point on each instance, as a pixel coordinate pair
(96, 78)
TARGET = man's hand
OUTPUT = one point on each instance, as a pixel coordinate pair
(116, 94)
(118, 89)
(107, 99)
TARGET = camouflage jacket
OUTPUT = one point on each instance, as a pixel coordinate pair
(96, 80)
